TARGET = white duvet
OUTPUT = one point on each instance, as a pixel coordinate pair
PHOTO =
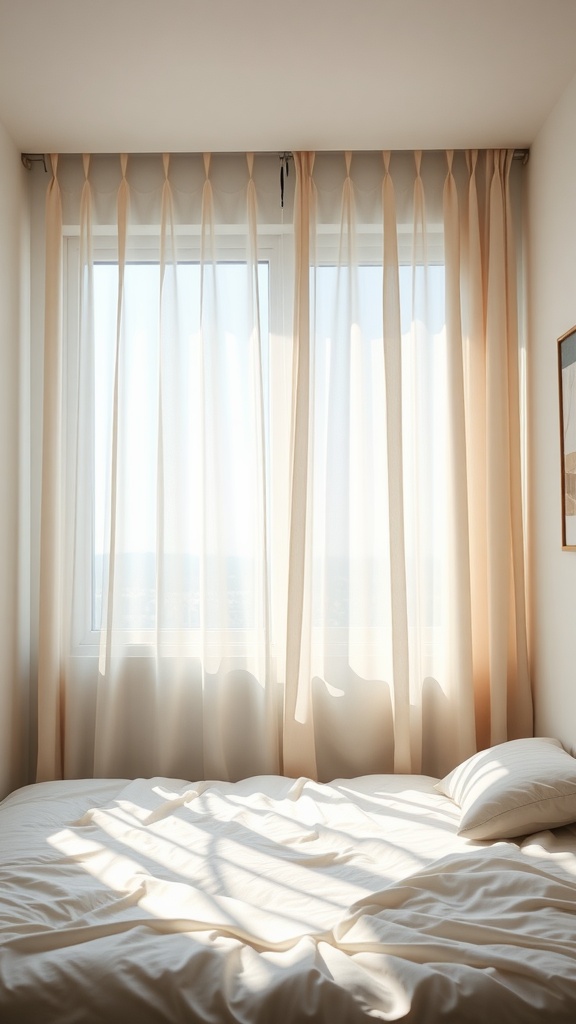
(277, 900)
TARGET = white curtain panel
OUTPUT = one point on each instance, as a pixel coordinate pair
(281, 499)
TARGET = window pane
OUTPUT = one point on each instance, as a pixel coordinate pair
(204, 394)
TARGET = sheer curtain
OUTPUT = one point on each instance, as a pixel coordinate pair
(281, 506)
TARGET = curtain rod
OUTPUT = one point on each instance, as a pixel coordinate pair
(30, 158)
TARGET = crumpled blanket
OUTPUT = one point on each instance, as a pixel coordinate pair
(277, 900)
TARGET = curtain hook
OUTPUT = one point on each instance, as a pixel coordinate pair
(284, 170)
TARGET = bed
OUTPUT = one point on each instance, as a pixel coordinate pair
(395, 898)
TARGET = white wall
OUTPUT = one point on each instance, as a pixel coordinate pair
(14, 518)
(552, 311)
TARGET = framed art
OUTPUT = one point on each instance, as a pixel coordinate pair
(567, 392)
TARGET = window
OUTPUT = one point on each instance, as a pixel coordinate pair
(346, 407)
(215, 414)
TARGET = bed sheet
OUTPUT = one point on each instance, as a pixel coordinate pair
(277, 900)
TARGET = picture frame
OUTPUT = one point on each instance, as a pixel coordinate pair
(567, 400)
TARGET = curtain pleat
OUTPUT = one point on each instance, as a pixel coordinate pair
(510, 711)
(249, 566)
(394, 451)
(298, 739)
(459, 640)
(50, 651)
(263, 597)
(474, 327)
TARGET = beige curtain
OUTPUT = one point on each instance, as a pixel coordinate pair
(156, 652)
(406, 497)
(281, 501)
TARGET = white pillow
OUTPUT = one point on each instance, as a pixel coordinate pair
(513, 789)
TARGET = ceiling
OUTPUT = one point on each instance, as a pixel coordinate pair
(264, 75)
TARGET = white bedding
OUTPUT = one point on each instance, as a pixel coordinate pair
(277, 900)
